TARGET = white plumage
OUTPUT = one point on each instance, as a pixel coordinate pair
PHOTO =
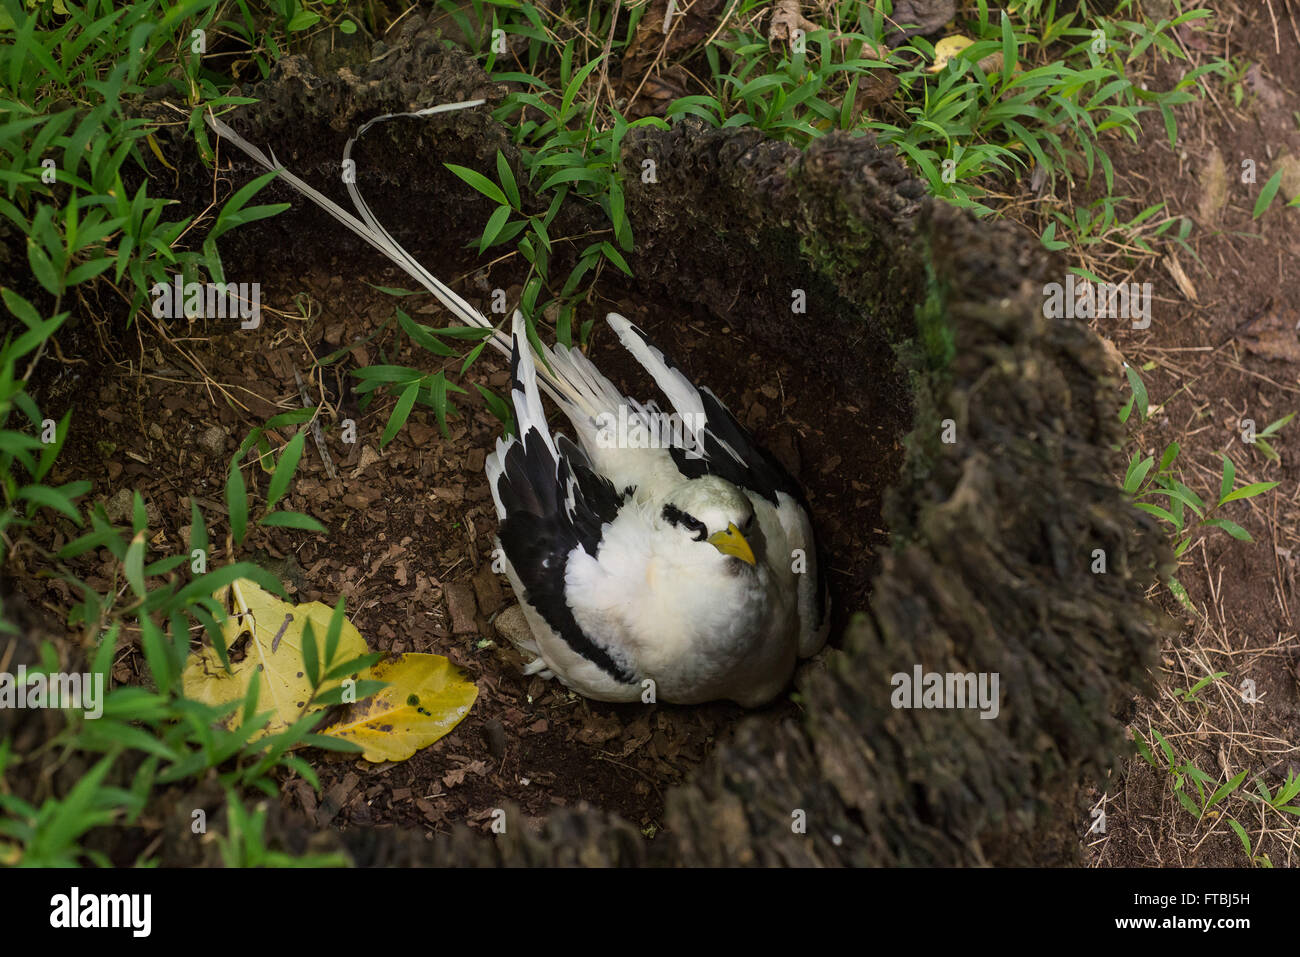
(663, 549)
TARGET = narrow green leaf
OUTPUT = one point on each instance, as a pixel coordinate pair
(1267, 193)
(284, 469)
(400, 413)
(292, 520)
(1227, 788)
(133, 567)
(1232, 528)
(480, 183)
(237, 502)
(494, 226)
(507, 177)
(310, 654)
(1249, 491)
(1229, 474)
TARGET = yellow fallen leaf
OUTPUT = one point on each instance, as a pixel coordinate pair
(946, 49)
(949, 47)
(273, 659)
(426, 697)
(157, 151)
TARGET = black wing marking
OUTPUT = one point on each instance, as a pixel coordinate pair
(753, 468)
(554, 505)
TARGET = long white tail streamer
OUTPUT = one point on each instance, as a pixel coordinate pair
(372, 231)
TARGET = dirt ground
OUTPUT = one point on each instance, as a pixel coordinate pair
(1228, 354)
(411, 526)
(412, 530)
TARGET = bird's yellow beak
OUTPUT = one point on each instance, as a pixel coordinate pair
(731, 542)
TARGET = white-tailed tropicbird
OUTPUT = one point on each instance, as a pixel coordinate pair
(671, 551)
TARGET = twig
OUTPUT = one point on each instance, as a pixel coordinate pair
(317, 432)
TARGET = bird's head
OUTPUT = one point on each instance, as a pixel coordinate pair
(713, 511)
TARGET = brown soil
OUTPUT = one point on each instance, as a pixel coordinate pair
(981, 576)
(1230, 355)
(414, 524)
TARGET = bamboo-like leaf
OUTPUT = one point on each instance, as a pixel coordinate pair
(1249, 491)
(237, 502)
(133, 567)
(1267, 193)
(480, 182)
(507, 177)
(1227, 788)
(1229, 475)
(298, 520)
(401, 411)
(284, 469)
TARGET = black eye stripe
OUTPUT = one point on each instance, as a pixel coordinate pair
(675, 516)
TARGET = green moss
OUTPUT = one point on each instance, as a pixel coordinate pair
(933, 326)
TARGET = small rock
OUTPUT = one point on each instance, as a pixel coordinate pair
(213, 440)
(513, 626)
(118, 508)
(1290, 167)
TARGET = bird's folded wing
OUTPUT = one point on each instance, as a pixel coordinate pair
(550, 501)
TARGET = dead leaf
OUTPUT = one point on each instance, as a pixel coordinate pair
(274, 657)
(1268, 92)
(638, 733)
(650, 76)
(950, 47)
(426, 697)
(598, 730)
(1214, 189)
(918, 17)
(1114, 357)
(1274, 337)
(1180, 277)
(787, 17)
(1278, 344)
(1194, 39)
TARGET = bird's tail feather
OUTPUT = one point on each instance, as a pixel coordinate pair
(529, 413)
(524, 470)
(569, 396)
(680, 391)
